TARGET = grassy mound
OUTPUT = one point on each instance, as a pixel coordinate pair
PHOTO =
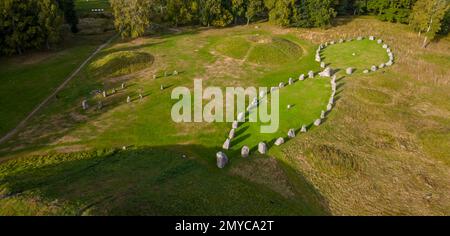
(120, 63)
(234, 47)
(263, 50)
(275, 51)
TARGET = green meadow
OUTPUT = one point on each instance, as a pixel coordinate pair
(380, 151)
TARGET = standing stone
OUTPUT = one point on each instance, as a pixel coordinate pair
(329, 107)
(128, 99)
(241, 117)
(262, 93)
(304, 129)
(389, 63)
(311, 74)
(374, 68)
(322, 64)
(385, 46)
(162, 87)
(366, 71)
(326, 73)
(302, 77)
(105, 94)
(84, 105)
(291, 133)
(231, 134)
(222, 160)
(165, 74)
(122, 86)
(235, 125)
(245, 152)
(154, 76)
(349, 71)
(317, 122)
(332, 42)
(175, 72)
(279, 142)
(262, 148)
(388, 50)
(322, 115)
(371, 38)
(318, 58)
(382, 65)
(140, 96)
(226, 145)
(379, 41)
(289, 106)
(360, 38)
(273, 89)
(281, 85)
(291, 81)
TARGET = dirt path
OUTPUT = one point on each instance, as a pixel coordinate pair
(43, 103)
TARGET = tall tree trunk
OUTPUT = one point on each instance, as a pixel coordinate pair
(425, 41)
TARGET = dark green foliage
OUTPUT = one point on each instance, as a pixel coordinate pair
(70, 15)
(28, 24)
(391, 10)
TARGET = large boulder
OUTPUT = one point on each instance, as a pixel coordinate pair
(304, 129)
(318, 122)
(301, 77)
(222, 160)
(291, 133)
(279, 142)
(231, 134)
(326, 73)
(245, 151)
(349, 71)
(227, 144)
(262, 148)
(84, 105)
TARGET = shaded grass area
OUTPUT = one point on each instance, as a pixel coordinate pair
(144, 181)
(120, 63)
(28, 79)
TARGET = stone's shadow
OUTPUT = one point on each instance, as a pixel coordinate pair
(241, 130)
(159, 180)
(239, 140)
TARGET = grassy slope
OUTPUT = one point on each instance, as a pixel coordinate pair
(381, 151)
(28, 79)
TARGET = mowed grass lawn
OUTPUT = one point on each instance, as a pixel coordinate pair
(28, 79)
(360, 55)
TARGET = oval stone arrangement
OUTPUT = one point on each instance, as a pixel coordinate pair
(222, 159)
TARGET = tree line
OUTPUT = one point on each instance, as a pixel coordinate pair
(26, 24)
(30, 24)
(132, 17)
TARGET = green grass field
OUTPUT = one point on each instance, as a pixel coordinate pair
(383, 150)
(29, 79)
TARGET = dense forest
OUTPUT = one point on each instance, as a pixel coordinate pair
(26, 24)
